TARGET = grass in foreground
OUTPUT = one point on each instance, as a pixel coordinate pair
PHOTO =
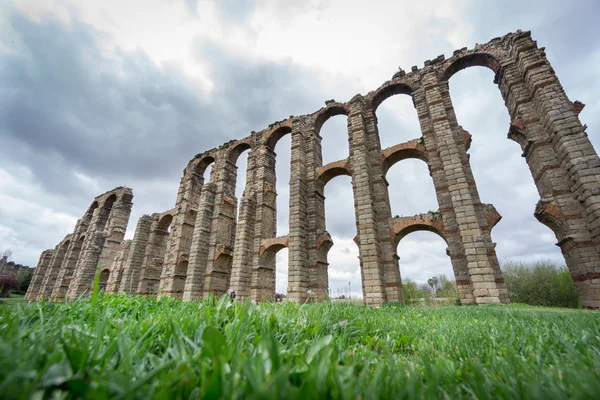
(122, 347)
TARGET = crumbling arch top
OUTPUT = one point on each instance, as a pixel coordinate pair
(277, 132)
(236, 150)
(388, 90)
(430, 222)
(464, 58)
(330, 111)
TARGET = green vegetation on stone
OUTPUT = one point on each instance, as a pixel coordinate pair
(133, 347)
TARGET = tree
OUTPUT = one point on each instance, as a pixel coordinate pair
(24, 277)
(7, 284)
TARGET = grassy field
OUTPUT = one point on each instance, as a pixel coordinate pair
(121, 347)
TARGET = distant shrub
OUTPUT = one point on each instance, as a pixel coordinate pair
(543, 283)
(7, 284)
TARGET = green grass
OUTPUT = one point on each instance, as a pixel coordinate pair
(13, 299)
(123, 347)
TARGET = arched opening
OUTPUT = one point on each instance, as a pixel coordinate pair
(342, 264)
(411, 190)
(239, 157)
(480, 109)
(397, 119)
(281, 273)
(109, 202)
(204, 167)
(281, 143)
(103, 279)
(165, 223)
(181, 270)
(425, 268)
(265, 276)
(334, 134)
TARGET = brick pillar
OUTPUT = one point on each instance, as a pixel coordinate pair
(460, 212)
(133, 264)
(102, 241)
(391, 267)
(222, 235)
(463, 140)
(241, 270)
(315, 196)
(365, 203)
(63, 280)
(154, 255)
(194, 284)
(117, 268)
(58, 257)
(179, 244)
(298, 257)
(33, 291)
(261, 162)
(561, 158)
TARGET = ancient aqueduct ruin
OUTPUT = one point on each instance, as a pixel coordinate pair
(198, 248)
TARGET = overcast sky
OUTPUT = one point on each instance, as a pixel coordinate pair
(99, 94)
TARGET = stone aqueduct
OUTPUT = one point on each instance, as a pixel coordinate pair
(201, 246)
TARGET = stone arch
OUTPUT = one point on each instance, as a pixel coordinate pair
(431, 222)
(388, 90)
(263, 280)
(334, 138)
(165, 221)
(412, 149)
(277, 133)
(109, 202)
(327, 172)
(236, 150)
(202, 164)
(324, 114)
(103, 279)
(463, 60)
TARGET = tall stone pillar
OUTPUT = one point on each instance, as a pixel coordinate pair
(154, 256)
(315, 215)
(298, 238)
(561, 158)
(458, 207)
(33, 291)
(262, 161)
(65, 274)
(174, 271)
(117, 268)
(222, 235)
(58, 256)
(135, 257)
(194, 284)
(241, 269)
(365, 203)
(391, 267)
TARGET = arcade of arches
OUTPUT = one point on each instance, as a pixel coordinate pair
(203, 246)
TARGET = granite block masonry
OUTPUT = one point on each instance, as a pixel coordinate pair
(202, 246)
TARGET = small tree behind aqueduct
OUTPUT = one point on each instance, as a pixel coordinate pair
(202, 246)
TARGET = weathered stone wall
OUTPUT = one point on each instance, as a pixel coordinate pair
(202, 246)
